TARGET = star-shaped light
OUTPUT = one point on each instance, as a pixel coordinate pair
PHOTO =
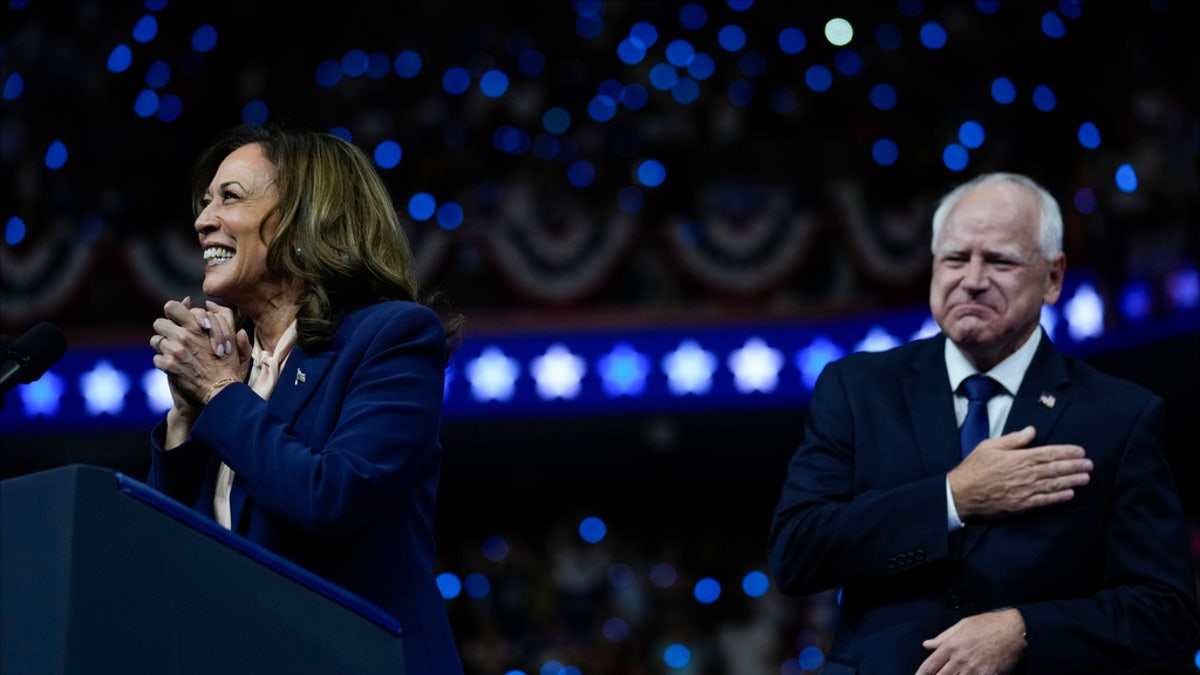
(41, 396)
(451, 373)
(1085, 313)
(623, 371)
(928, 329)
(755, 366)
(558, 373)
(492, 375)
(158, 392)
(104, 389)
(689, 369)
(877, 340)
(1049, 319)
(812, 359)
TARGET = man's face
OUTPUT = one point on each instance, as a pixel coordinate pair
(990, 278)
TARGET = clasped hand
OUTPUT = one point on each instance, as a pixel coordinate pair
(1002, 476)
(198, 348)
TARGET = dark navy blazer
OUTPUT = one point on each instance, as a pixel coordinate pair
(1105, 582)
(338, 471)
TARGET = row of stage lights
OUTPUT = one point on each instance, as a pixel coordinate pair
(634, 371)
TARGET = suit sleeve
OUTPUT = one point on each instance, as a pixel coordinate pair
(825, 532)
(384, 435)
(1146, 605)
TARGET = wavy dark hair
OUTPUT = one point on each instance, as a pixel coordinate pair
(339, 233)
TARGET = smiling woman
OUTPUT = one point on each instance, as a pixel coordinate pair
(306, 396)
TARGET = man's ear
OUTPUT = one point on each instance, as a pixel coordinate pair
(1054, 278)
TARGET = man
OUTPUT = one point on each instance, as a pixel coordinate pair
(1056, 545)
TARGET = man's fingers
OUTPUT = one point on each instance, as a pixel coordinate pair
(1015, 439)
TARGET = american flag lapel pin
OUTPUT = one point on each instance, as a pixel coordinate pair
(1045, 399)
(299, 377)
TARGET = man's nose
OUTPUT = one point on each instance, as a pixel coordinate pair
(975, 276)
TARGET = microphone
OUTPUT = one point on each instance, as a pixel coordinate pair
(26, 358)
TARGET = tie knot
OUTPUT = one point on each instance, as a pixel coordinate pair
(979, 388)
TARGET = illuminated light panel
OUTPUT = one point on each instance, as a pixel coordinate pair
(623, 371)
(1085, 313)
(104, 388)
(493, 375)
(689, 369)
(756, 366)
(558, 373)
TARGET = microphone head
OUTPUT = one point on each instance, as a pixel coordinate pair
(39, 348)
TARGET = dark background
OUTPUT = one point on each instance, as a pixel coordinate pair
(101, 252)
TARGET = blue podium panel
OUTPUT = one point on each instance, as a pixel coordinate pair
(101, 574)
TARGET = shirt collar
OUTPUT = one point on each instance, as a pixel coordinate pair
(1008, 372)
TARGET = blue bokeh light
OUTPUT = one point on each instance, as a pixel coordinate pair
(701, 67)
(741, 92)
(449, 216)
(685, 91)
(792, 40)
(158, 75)
(1052, 26)
(170, 107)
(755, 584)
(592, 529)
(14, 231)
(421, 206)
(602, 108)
(883, 96)
(663, 76)
(707, 590)
(1044, 98)
(14, 85)
(388, 154)
(731, 38)
(531, 63)
(933, 35)
(1126, 178)
(204, 38)
(119, 59)
(1003, 91)
(848, 62)
(1089, 135)
(818, 78)
(146, 28)
(255, 112)
(581, 173)
(329, 73)
(494, 83)
(680, 53)
(556, 120)
(407, 64)
(677, 656)
(885, 152)
(644, 34)
(456, 80)
(449, 585)
(971, 134)
(693, 16)
(146, 103)
(630, 51)
(477, 585)
(955, 157)
(651, 173)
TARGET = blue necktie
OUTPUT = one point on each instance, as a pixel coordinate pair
(975, 427)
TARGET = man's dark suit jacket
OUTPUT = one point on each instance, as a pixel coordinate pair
(1105, 582)
(338, 471)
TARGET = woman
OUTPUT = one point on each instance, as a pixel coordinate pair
(307, 396)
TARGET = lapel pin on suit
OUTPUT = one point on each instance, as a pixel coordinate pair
(1045, 399)
(299, 377)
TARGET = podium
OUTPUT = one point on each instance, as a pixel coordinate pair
(101, 574)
